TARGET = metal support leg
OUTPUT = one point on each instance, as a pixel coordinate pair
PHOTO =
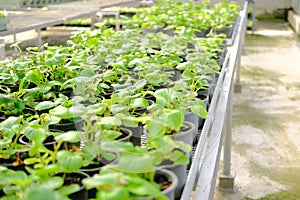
(252, 2)
(238, 85)
(2, 49)
(226, 180)
(117, 21)
(110, 13)
(93, 21)
(39, 37)
(16, 51)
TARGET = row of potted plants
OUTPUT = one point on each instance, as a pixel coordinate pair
(125, 98)
(192, 19)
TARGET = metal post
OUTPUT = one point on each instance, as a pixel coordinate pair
(252, 2)
(2, 49)
(238, 85)
(117, 21)
(16, 51)
(39, 37)
(93, 21)
(226, 182)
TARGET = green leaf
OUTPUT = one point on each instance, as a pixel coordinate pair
(49, 169)
(110, 121)
(139, 84)
(69, 161)
(45, 105)
(55, 60)
(61, 111)
(34, 76)
(10, 122)
(52, 183)
(113, 193)
(187, 74)
(162, 96)
(136, 162)
(155, 128)
(173, 119)
(106, 178)
(142, 187)
(110, 134)
(179, 158)
(75, 111)
(117, 146)
(200, 111)
(66, 190)
(139, 103)
(70, 136)
(10, 197)
(30, 161)
(38, 193)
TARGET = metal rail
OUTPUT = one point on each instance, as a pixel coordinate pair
(203, 172)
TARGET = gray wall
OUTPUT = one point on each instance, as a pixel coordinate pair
(265, 7)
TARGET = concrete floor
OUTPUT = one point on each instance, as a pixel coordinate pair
(266, 116)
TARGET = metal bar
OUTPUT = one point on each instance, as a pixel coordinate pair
(196, 165)
(2, 49)
(39, 37)
(16, 52)
(228, 136)
(210, 160)
(117, 21)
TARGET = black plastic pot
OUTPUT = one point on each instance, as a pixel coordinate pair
(202, 33)
(9, 163)
(67, 125)
(166, 175)
(93, 169)
(49, 145)
(69, 178)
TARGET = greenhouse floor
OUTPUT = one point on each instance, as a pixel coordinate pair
(266, 116)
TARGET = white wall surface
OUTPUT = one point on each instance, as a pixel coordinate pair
(266, 6)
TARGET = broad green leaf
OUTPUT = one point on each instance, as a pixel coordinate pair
(200, 111)
(173, 119)
(109, 134)
(70, 136)
(136, 163)
(110, 178)
(179, 158)
(113, 193)
(187, 74)
(45, 105)
(38, 193)
(110, 121)
(142, 187)
(116, 146)
(30, 161)
(52, 183)
(66, 190)
(9, 122)
(155, 128)
(162, 96)
(69, 161)
(10, 197)
(61, 111)
(55, 60)
(34, 76)
(139, 102)
(139, 84)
